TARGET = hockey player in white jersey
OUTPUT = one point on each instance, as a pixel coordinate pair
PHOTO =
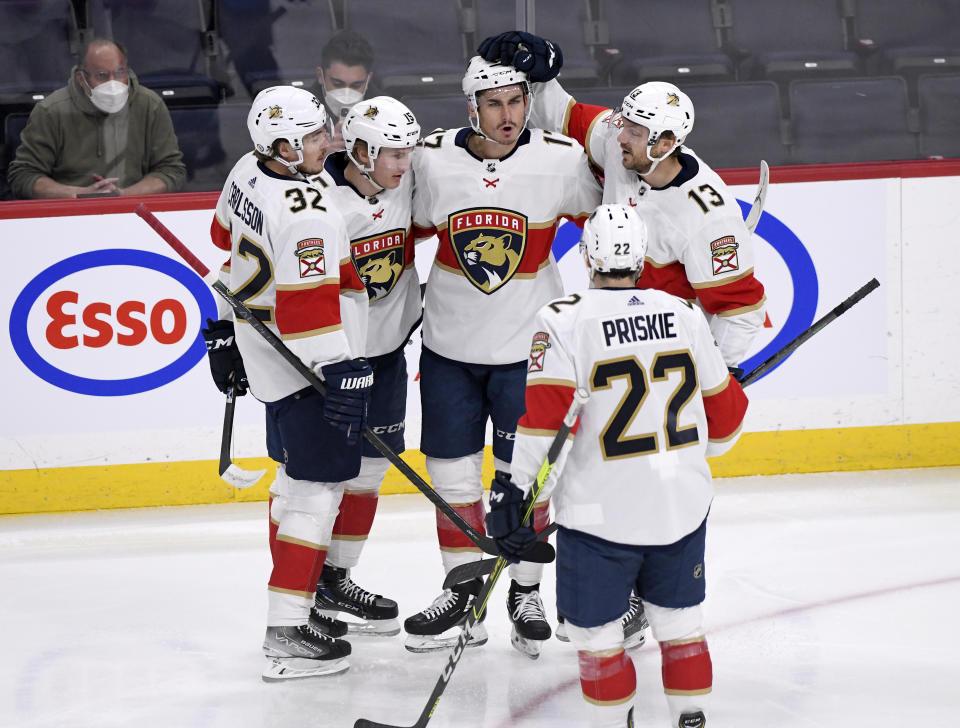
(372, 188)
(289, 260)
(494, 193)
(634, 488)
(700, 248)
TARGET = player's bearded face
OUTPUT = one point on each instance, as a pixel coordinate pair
(390, 166)
(314, 150)
(501, 112)
(633, 146)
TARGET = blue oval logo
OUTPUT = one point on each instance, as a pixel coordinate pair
(34, 361)
(789, 247)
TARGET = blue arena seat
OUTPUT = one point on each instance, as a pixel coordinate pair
(939, 115)
(850, 120)
(921, 38)
(787, 40)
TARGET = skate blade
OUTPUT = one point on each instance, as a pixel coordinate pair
(561, 633)
(373, 628)
(526, 647)
(435, 642)
(279, 669)
(634, 641)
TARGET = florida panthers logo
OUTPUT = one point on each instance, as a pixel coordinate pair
(489, 244)
(380, 261)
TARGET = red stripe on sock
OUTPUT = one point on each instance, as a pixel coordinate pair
(296, 567)
(541, 516)
(451, 537)
(272, 529)
(686, 666)
(356, 514)
(607, 679)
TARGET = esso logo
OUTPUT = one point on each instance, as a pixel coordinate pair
(111, 322)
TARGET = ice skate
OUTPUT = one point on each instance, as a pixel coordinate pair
(692, 720)
(530, 627)
(337, 593)
(325, 624)
(438, 626)
(634, 623)
(297, 652)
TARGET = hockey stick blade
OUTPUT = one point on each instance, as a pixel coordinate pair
(480, 603)
(483, 541)
(759, 198)
(229, 470)
(482, 567)
(787, 349)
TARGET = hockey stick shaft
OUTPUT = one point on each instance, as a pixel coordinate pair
(814, 328)
(759, 198)
(229, 471)
(485, 543)
(580, 397)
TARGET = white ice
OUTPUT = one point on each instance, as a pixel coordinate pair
(831, 602)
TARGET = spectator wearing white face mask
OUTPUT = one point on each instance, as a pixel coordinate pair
(343, 79)
(102, 133)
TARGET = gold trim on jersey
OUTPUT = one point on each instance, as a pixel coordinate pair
(540, 433)
(529, 276)
(220, 222)
(627, 699)
(461, 549)
(344, 537)
(728, 437)
(650, 261)
(565, 126)
(312, 332)
(716, 390)
(308, 285)
(550, 380)
(722, 281)
(300, 542)
(292, 592)
(743, 309)
(586, 138)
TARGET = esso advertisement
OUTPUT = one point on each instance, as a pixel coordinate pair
(111, 322)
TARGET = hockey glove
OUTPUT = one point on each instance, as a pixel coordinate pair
(505, 519)
(226, 364)
(538, 57)
(348, 395)
(737, 373)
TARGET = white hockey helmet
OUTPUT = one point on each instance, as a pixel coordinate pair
(482, 75)
(614, 239)
(380, 122)
(660, 107)
(284, 112)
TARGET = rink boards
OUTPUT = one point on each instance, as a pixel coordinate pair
(108, 400)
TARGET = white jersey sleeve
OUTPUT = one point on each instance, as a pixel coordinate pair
(661, 401)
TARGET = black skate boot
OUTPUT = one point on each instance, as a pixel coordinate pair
(337, 592)
(530, 626)
(634, 622)
(692, 720)
(326, 625)
(425, 630)
(295, 652)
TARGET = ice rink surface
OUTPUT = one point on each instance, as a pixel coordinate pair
(831, 601)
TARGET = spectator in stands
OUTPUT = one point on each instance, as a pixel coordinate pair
(343, 78)
(103, 133)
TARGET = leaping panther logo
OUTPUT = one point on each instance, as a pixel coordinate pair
(489, 245)
(380, 261)
(380, 275)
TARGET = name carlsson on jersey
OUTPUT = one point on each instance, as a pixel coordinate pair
(244, 209)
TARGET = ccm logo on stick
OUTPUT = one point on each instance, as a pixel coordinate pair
(111, 322)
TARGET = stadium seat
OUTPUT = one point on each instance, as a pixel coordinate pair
(850, 120)
(212, 139)
(737, 124)
(438, 112)
(35, 48)
(782, 41)
(167, 47)
(582, 35)
(420, 45)
(939, 116)
(650, 53)
(923, 39)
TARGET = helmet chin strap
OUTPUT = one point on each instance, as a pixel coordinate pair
(367, 172)
(655, 161)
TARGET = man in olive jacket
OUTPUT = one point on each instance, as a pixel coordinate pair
(101, 134)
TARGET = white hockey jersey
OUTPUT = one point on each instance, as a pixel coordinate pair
(699, 248)
(661, 401)
(496, 220)
(289, 256)
(382, 248)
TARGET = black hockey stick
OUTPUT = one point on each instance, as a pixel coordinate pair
(482, 567)
(541, 552)
(814, 328)
(230, 471)
(580, 397)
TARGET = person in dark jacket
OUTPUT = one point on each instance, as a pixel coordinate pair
(102, 133)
